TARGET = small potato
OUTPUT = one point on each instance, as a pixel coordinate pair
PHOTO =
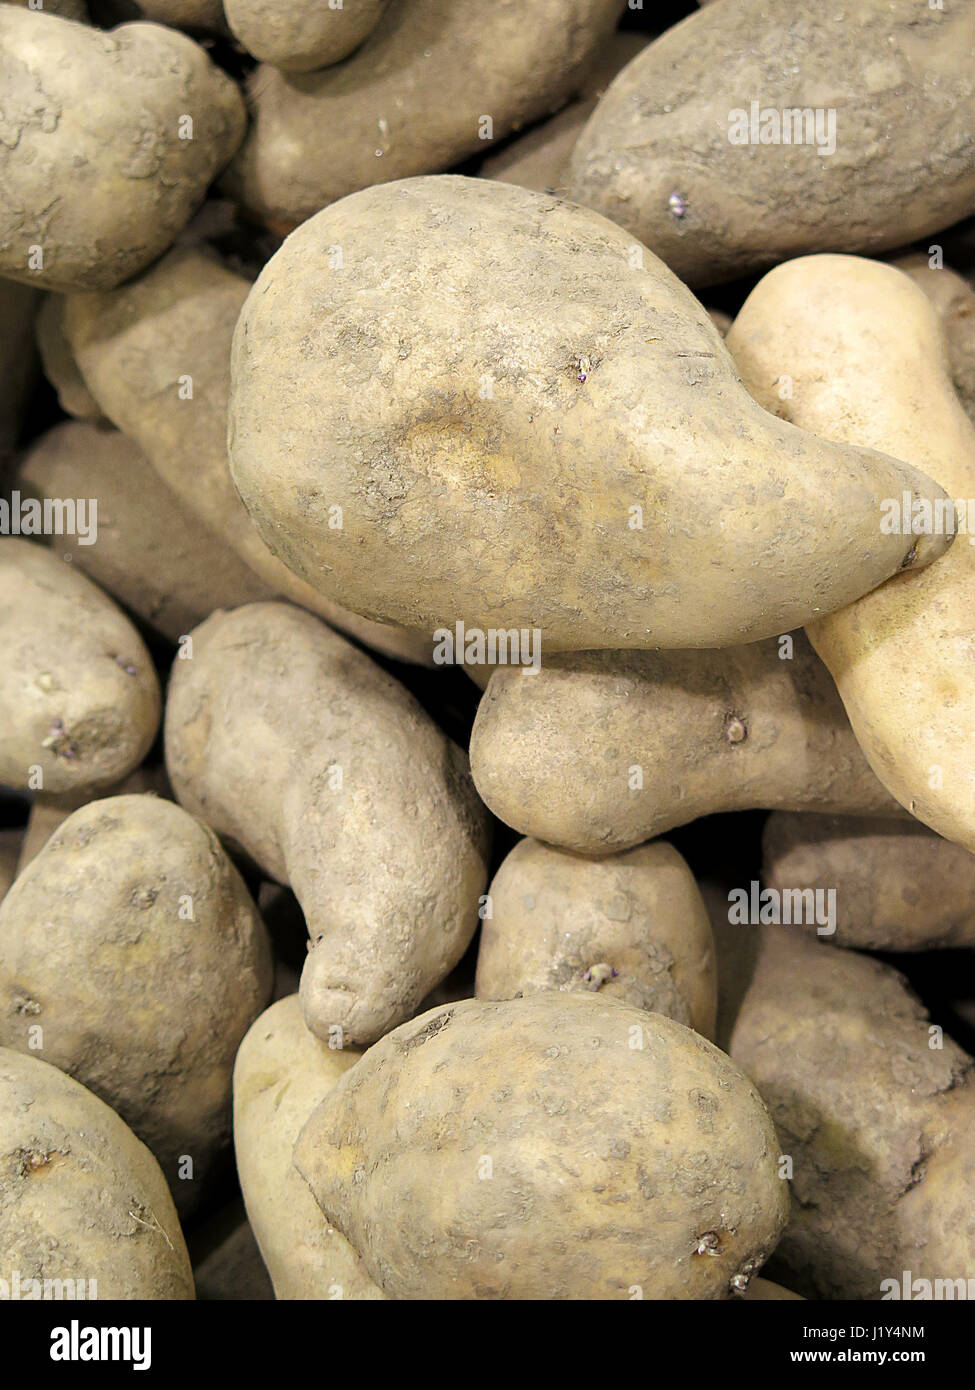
(632, 926)
(300, 750)
(99, 167)
(78, 689)
(80, 1197)
(132, 957)
(898, 885)
(301, 35)
(560, 1146)
(600, 751)
(281, 1074)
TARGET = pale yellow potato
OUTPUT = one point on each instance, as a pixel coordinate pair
(80, 1196)
(78, 689)
(536, 386)
(903, 658)
(954, 301)
(632, 926)
(301, 35)
(561, 1146)
(602, 750)
(281, 1074)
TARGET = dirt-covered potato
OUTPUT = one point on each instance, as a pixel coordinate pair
(898, 885)
(515, 462)
(281, 1074)
(78, 690)
(436, 82)
(873, 1105)
(300, 750)
(49, 811)
(156, 356)
(632, 927)
(954, 301)
(557, 1146)
(903, 659)
(132, 957)
(58, 362)
(756, 131)
(301, 35)
(600, 751)
(151, 553)
(80, 1196)
(109, 144)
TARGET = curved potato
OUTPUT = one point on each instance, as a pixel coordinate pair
(301, 35)
(632, 927)
(80, 1196)
(79, 691)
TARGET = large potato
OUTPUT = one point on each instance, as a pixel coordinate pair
(558, 1146)
(436, 82)
(78, 690)
(132, 957)
(888, 81)
(600, 751)
(298, 748)
(109, 143)
(281, 1074)
(633, 927)
(903, 659)
(301, 35)
(80, 1196)
(548, 434)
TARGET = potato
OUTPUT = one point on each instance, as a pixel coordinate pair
(60, 368)
(500, 460)
(156, 356)
(633, 927)
(602, 750)
(132, 955)
(78, 689)
(899, 887)
(954, 301)
(48, 812)
(151, 552)
(753, 132)
(281, 1074)
(557, 1146)
(80, 1197)
(10, 843)
(18, 309)
(297, 748)
(435, 82)
(301, 35)
(874, 1107)
(903, 659)
(129, 128)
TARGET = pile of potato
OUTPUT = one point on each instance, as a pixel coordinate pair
(393, 547)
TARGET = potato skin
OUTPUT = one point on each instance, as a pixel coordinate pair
(899, 887)
(78, 687)
(903, 164)
(80, 1196)
(79, 99)
(558, 755)
(619, 1142)
(132, 943)
(296, 747)
(302, 35)
(561, 922)
(953, 299)
(281, 1074)
(484, 455)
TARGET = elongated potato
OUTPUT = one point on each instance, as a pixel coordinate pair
(156, 356)
(633, 927)
(757, 131)
(874, 1107)
(557, 1146)
(436, 82)
(899, 887)
(82, 1198)
(281, 1074)
(954, 302)
(301, 35)
(151, 552)
(132, 957)
(110, 142)
(515, 462)
(296, 747)
(602, 750)
(903, 659)
(78, 689)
